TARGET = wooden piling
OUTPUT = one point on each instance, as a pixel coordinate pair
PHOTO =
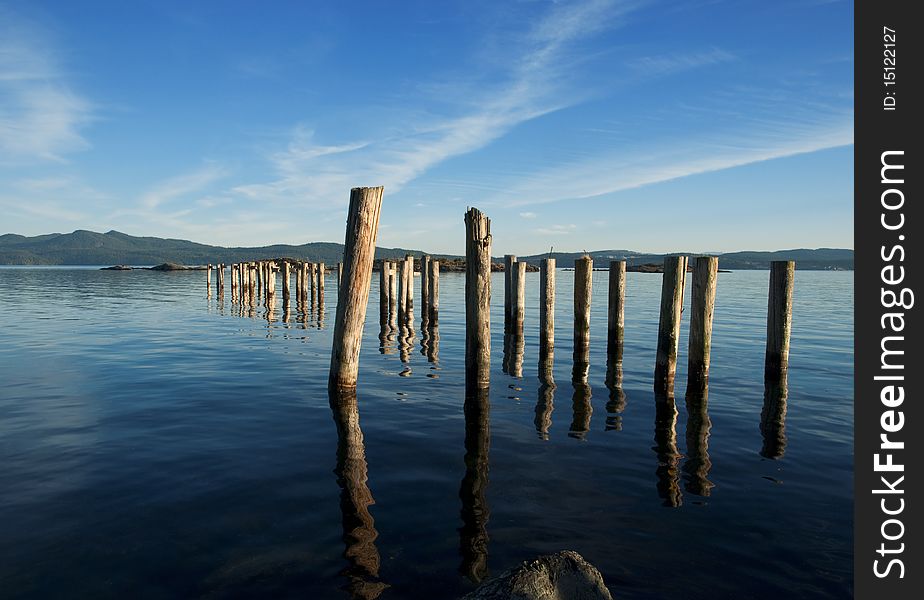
(518, 287)
(392, 295)
(358, 254)
(409, 298)
(339, 275)
(477, 299)
(705, 274)
(208, 280)
(322, 271)
(546, 313)
(433, 291)
(509, 261)
(383, 294)
(286, 273)
(616, 312)
(424, 289)
(583, 289)
(779, 318)
(401, 277)
(669, 323)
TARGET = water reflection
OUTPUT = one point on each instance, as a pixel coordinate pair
(514, 345)
(433, 345)
(473, 535)
(773, 417)
(545, 398)
(617, 398)
(696, 468)
(580, 403)
(359, 533)
(666, 449)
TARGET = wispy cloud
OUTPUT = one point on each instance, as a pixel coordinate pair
(675, 158)
(671, 63)
(182, 186)
(313, 173)
(41, 116)
(557, 229)
(528, 215)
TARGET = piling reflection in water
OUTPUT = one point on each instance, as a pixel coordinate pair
(617, 399)
(697, 465)
(473, 535)
(433, 345)
(545, 398)
(359, 533)
(773, 416)
(580, 402)
(666, 449)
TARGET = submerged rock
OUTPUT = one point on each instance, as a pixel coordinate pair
(564, 575)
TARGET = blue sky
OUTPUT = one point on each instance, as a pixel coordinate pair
(704, 125)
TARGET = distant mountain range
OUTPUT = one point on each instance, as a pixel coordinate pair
(114, 248)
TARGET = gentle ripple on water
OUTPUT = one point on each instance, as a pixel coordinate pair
(156, 443)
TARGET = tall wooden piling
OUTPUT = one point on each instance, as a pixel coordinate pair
(409, 298)
(322, 271)
(339, 275)
(669, 323)
(358, 254)
(583, 289)
(546, 314)
(705, 274)
(616, 312)
(433, 292)
(509, 261)
(518, 287)
(401, 278)
(425, 288)
(286, 273)
(383, 293)
(208, 279)
(779, 318)
(477, 299)
(392, 295)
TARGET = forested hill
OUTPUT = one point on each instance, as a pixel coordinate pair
(115, 248)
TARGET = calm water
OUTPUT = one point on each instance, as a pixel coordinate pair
(158, 444)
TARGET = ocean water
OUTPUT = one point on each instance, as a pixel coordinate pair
(158, 443)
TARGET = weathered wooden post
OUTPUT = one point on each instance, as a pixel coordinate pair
(393, 296)
(339, 275)
(477, 299)
(518, 287)
(779, 318)
(409, 298)
(433, 291)
(546, 316)
(616, 313)
(383, 294)
(509, 261)
(669, 323)
(402, 292)
(705, 274)
(358, 254)
(322, 271)
(311, 276)
(286, 273)
(583, 289)
(221, 279)
(208, 280)
(424, 290)
(233, 274)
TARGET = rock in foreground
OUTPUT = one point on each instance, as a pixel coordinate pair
(564, 575)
